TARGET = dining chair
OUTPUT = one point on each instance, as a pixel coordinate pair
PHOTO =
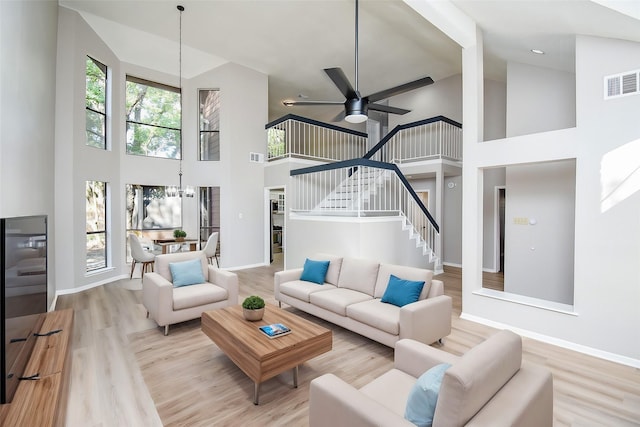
(138, 254)
(211, 248)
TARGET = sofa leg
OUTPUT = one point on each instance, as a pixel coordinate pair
(166, 330)
(279, 304)
(440, 341)
(147, 314)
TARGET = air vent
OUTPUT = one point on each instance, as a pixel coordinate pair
(256, 157)
(622, 84)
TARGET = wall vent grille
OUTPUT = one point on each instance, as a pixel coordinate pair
(256, 157)
(622, 84)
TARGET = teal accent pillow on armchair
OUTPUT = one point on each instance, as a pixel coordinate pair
(314, 271)
(186, 273)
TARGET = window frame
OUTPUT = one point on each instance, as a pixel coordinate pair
(202, 132)
(140, 81)
(104, 231)
(105, 70)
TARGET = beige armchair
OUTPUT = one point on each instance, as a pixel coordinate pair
(487, 386)
(167, 304)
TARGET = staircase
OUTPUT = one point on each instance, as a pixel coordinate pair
(355, 195)
(366, 188)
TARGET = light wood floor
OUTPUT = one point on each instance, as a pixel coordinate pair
(108, 389)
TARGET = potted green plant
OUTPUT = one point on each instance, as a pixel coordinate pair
(253, 308)
(179, 235)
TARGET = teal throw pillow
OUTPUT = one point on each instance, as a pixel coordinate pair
(402, 292)
(421, 404)
(314, 271)
(186, 273)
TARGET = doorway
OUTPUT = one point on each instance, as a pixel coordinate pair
(275, 211)
(501, 202)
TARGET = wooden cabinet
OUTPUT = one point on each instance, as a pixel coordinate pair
(43, 402)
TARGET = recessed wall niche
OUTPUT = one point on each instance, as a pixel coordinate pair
(529, 230)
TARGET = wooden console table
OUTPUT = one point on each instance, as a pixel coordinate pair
(43, 402)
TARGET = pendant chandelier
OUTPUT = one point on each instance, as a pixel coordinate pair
(172, 190)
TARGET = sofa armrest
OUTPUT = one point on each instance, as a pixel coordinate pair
(157, 296)
(426, 320)
(283, 277)
(227, 280)
(415, 358)
(334, 403)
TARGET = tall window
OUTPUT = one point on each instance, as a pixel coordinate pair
(209, 148)
(96, 225)
(96, 103)
(149, 208)
(153, 119)
(209, 211)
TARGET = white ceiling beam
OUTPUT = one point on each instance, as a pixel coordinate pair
(447, 18)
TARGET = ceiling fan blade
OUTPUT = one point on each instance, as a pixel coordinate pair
(388, 109)
(291, 103)
(339, 79)
(425, 81)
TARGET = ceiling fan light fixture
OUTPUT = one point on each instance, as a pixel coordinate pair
(356, 118)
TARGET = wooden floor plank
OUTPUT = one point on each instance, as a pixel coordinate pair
(126, 372)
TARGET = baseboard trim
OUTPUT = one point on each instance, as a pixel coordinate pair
(601, 354)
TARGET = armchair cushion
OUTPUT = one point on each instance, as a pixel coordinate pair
(314, 271)
(421, 403)
(401, 292)
(186, 273)
(197, 295)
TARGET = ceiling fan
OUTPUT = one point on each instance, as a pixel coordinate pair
(356, 106)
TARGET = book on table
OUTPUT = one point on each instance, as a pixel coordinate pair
(275, 330)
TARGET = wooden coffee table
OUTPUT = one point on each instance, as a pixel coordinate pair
(258, 356)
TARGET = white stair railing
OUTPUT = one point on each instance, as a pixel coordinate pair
(434, 138)
(295, 136)
(365, 188)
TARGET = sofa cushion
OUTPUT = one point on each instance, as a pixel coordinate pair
(197, 295)
(300, 289)
(335, 263)
(474, 379)
(408, 273)
(314, 271)
(186, 273)
(390, 390)
(337, 300)
(359, 275)
(421, 403)
(376, 314)
(401, 292)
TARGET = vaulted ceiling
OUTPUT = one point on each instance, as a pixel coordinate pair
(293, 40)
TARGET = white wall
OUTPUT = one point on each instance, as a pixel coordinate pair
(379, 239)
(539, 253)
(442, 98)
(27, 119)
(539, 99)
(243, 115)
(495, 110)
(606, 277)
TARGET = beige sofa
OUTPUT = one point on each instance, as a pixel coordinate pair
(351, 298)
(167, 304)
(487, 386)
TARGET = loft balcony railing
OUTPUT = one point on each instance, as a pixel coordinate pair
(299, 137)
(362, 188)
(294, 136)
(435, 138)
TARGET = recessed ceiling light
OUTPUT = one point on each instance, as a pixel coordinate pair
(537, 51)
